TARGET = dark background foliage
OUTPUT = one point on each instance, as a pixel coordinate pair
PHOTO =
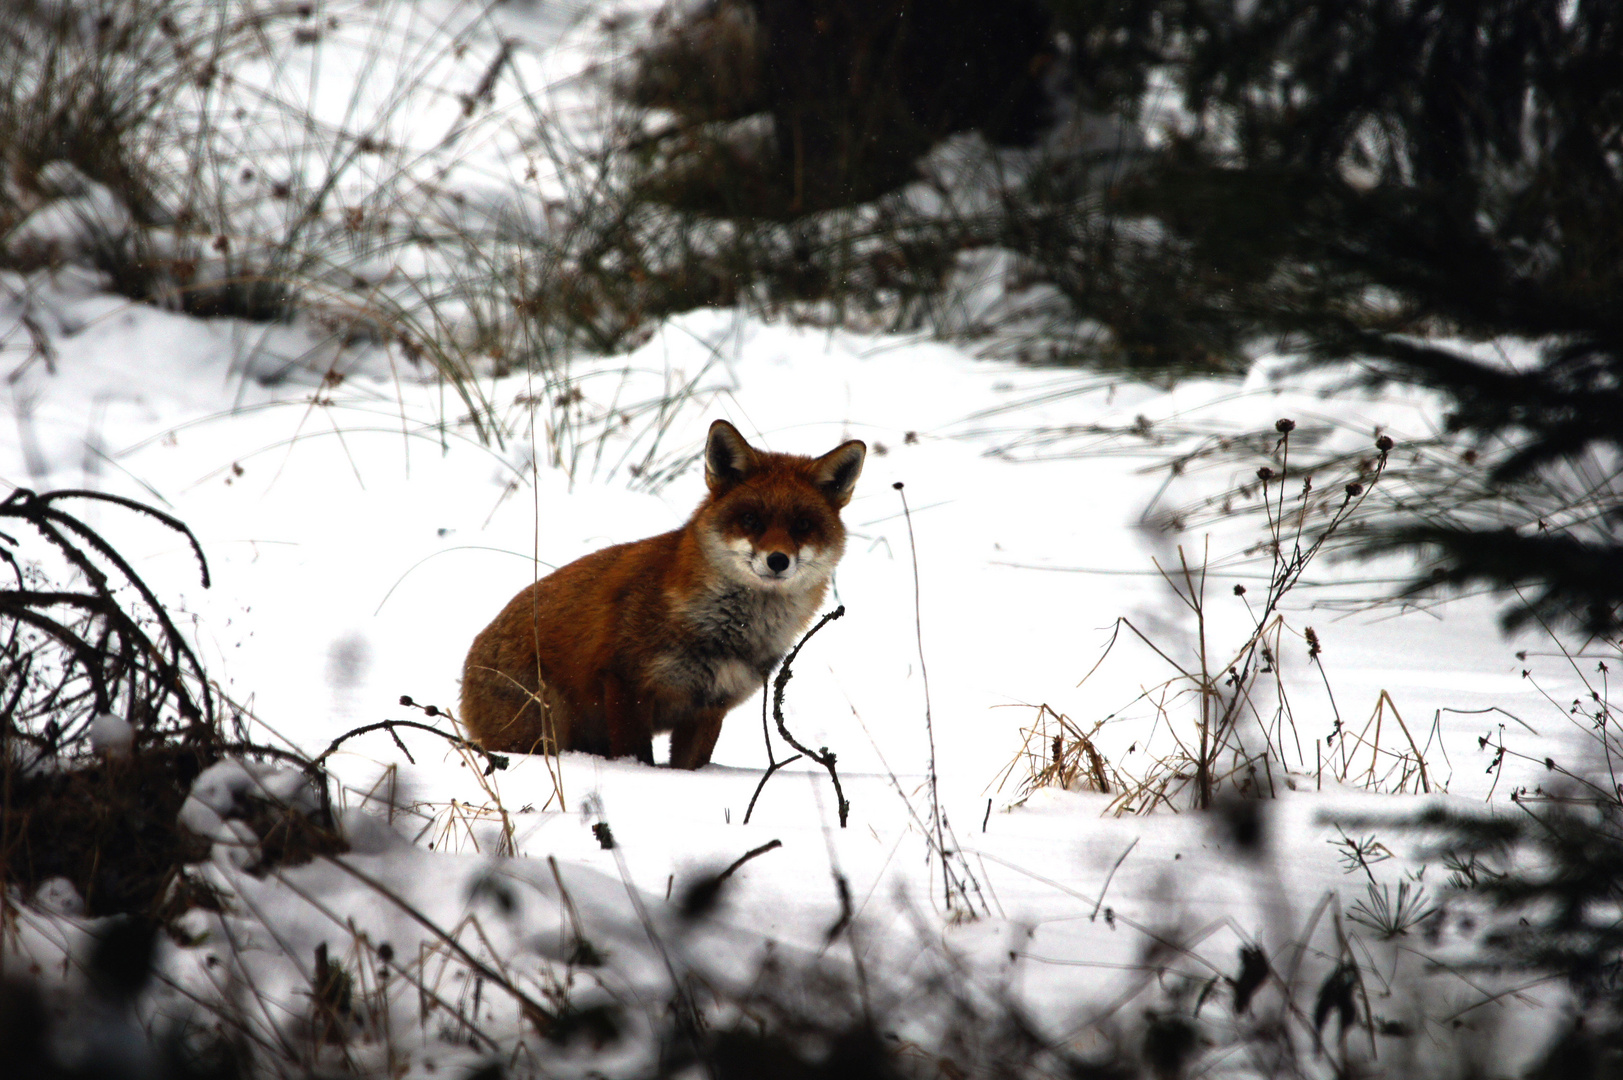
(1378, 184)
(1388, 180)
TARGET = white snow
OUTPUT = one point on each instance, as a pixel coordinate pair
(111, 734)
(359, 534)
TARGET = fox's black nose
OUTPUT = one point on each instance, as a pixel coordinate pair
(778, 561)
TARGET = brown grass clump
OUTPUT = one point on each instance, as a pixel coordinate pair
(1057, 753)
(1232, 727)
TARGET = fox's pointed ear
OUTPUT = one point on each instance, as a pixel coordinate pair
(837, 470)
(727, 457)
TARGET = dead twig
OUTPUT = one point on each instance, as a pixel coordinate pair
(770, 845)
(772, 763)
(493, 762)
(826, 757)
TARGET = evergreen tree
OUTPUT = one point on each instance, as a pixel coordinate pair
(1371, 179)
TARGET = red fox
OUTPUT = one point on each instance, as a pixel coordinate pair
(671, 632)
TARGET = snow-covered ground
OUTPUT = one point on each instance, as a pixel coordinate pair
(359, 534)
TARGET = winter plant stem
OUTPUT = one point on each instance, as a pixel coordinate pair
(826, 757)
(772, 763)
(929, 723)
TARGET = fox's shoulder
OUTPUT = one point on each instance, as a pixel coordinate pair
(630, 561)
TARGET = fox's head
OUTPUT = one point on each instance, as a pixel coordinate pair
(772, 521)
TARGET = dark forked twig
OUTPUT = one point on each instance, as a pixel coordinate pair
(825, 757)
(493, 762)
(772, 763)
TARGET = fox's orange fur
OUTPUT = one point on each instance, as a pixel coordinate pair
(671, 632)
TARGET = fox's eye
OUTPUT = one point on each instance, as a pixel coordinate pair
(802, 526)
(748, 521)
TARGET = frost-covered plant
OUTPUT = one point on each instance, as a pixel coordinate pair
(1226, 732)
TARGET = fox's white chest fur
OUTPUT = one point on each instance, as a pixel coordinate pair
(736, 636)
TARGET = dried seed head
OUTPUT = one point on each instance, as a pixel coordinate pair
(1354, 490)
(1383, 443)
(1239, 590)
(1265, 474)
(1284, 427)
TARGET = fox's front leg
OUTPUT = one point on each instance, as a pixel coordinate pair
(692, 742)
(628, 722)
